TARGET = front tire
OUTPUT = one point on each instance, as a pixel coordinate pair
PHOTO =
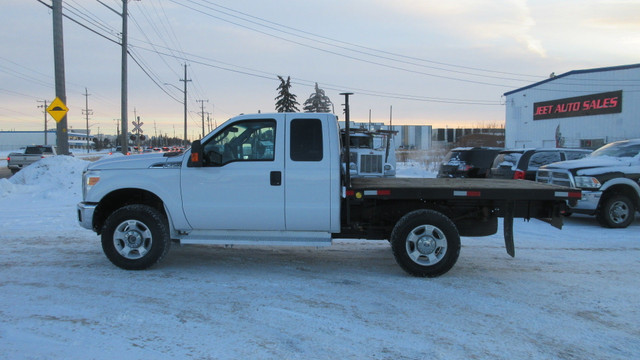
(425, 243)
(617, 211)
(135, 237)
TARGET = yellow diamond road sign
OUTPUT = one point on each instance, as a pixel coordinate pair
(57, 109)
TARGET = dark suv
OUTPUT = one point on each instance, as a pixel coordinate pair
(523, 163)
(468, 162)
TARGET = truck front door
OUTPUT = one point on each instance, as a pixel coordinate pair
(240, 186)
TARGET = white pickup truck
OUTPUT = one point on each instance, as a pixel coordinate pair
(32, 153)
(280, 179)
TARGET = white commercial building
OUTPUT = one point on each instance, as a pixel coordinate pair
(15, 140)
(581, 108)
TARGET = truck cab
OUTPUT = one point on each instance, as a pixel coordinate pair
(277, 164)
(371, 153)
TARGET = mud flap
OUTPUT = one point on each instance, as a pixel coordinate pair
(508, 229)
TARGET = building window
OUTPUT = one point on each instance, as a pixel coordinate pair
(591, 143)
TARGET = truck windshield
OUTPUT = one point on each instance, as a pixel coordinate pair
(624, 149)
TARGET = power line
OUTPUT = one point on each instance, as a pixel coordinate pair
(361, 46)
(399, 58)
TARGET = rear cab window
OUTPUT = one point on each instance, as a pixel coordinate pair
(543, 158)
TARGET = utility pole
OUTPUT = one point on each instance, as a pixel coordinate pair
(184, 142)
(123, 91)
(62, 137)
(117, 132)
(155, 131)
(202, 113)
(87, 112)
(45, 118)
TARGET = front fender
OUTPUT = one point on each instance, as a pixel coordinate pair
(162, 183)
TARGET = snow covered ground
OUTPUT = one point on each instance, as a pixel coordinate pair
(568, 294)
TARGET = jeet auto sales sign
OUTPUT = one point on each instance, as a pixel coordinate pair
(596, 104)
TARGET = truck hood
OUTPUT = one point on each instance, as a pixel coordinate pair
(594, 165)
(141, 161)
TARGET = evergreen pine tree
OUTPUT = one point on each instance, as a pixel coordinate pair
(318, 102)
(285, 101)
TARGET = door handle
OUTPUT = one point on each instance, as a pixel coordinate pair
(276, 178)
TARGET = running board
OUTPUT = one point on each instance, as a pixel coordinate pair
(277, 238)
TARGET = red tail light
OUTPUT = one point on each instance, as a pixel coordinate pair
(518, 175)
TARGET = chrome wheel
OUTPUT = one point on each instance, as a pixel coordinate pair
(426, 245)
(619, 212)
(132, 239)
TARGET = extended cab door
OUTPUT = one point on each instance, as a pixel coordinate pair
(240, 186)
(312, 178)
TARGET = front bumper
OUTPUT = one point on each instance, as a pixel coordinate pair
(85, 214)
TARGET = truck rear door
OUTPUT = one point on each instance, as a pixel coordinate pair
(311, 184)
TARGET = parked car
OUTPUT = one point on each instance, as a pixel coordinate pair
(523, 163)
(468, 162)
(32, 153)
(608, 179)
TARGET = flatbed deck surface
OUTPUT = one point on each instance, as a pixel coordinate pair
(501, 189)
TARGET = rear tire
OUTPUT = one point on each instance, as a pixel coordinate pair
(135, 237)
(618, 211)
(425, 243)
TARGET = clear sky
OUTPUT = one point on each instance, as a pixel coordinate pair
(440, 63)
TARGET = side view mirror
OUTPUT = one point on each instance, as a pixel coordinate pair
(195, 159)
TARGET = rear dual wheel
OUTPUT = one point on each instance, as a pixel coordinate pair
(425, 243)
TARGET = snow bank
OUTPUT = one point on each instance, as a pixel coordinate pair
(53, 177)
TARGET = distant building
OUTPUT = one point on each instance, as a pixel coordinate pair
(410, 137)
(14, 140)
(580, 108)
(449, 137)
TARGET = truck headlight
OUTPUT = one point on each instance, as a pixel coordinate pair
(587, 182)
(389, 170)
(89, 179)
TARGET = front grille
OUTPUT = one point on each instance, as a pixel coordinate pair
(554, 177)
(371, 164)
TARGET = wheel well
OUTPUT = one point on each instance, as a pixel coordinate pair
(621, 189)
(123, 197)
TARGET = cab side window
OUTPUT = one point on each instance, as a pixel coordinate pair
(242, 141)
(306, 140)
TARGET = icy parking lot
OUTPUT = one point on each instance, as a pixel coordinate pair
(568, 294)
